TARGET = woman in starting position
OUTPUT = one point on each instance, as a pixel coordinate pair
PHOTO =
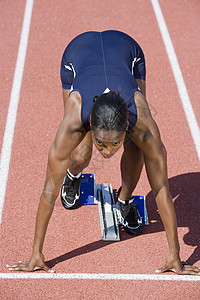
(95, 67)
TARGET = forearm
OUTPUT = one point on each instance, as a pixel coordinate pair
(157, 174)
(56, 171)
(44, 213)
(46, 205)
(168, 216)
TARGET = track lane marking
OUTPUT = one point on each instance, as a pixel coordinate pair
(7, 146)
(99, 276)
(13, 105)
(187, 106)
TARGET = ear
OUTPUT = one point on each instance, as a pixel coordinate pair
(127, 125)
(95, 98)
(90, 123)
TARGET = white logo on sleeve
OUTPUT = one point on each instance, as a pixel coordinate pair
(68, 67)
(134, 62)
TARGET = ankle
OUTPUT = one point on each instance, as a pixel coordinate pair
(124, 195)
(127, 200)
(76, 175)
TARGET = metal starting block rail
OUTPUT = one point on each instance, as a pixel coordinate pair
(109, 213)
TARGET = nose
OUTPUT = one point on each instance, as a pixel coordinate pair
(106, 152)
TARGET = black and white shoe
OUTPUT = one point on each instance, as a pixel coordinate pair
(131, 219)
(70, 191)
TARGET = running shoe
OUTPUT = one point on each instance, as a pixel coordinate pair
(131, 219)
(70, 191)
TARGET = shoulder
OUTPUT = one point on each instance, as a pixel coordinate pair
(124, 36)
(72, 112)
(146, 126)
(128, 40)
(78, 40)
(117, 33)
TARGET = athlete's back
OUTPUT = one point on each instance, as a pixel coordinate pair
(95, 62)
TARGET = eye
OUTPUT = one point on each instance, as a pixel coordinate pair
(116, 144)
(99, 143)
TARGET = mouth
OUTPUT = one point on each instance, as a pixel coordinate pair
(107, 157)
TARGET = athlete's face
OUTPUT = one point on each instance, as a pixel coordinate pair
(107, 142)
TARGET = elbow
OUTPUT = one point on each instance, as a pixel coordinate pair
(164, 152)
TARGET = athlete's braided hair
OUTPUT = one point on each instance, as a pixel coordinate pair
(109, 112)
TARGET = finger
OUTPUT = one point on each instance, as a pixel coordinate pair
(165, 268)
(19, 264)
(14, 265)
(11, 265)
(191, 268)
(188, 272)
(47, 269)
(20, 268)
(23, 262)
(23, 266)
(184, 264)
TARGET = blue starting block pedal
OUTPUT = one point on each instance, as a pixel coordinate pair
(109, 213)
(140, 201)
(87, 190)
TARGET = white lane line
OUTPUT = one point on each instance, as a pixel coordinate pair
(100, 276)
(13, 106)
(192, 122)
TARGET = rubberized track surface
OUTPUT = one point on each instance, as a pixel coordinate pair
(73, 242)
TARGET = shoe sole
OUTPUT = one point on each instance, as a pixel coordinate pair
(137, 231)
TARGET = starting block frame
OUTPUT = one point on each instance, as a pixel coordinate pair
(109, 213)
(109, 220)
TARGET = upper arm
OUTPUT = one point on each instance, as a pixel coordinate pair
(147, 137)
(139, 67)
(142, 85)
(65, 93)
(67, 71)
(66, 140)
(138, 63)
(155, 158)
(70, 132)
(69, 135)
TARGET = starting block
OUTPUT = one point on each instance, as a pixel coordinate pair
(109, 213)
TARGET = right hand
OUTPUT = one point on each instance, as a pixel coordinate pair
(174, 264)
(35, 263)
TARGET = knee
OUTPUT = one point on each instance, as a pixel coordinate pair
(80, 158)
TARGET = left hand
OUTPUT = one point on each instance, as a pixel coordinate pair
(174, 264)
(35, 263)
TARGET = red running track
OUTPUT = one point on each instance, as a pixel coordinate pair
(73, 242)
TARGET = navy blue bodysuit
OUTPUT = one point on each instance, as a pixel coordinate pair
(96, 62)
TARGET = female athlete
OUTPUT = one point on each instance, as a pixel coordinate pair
(103, 81)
